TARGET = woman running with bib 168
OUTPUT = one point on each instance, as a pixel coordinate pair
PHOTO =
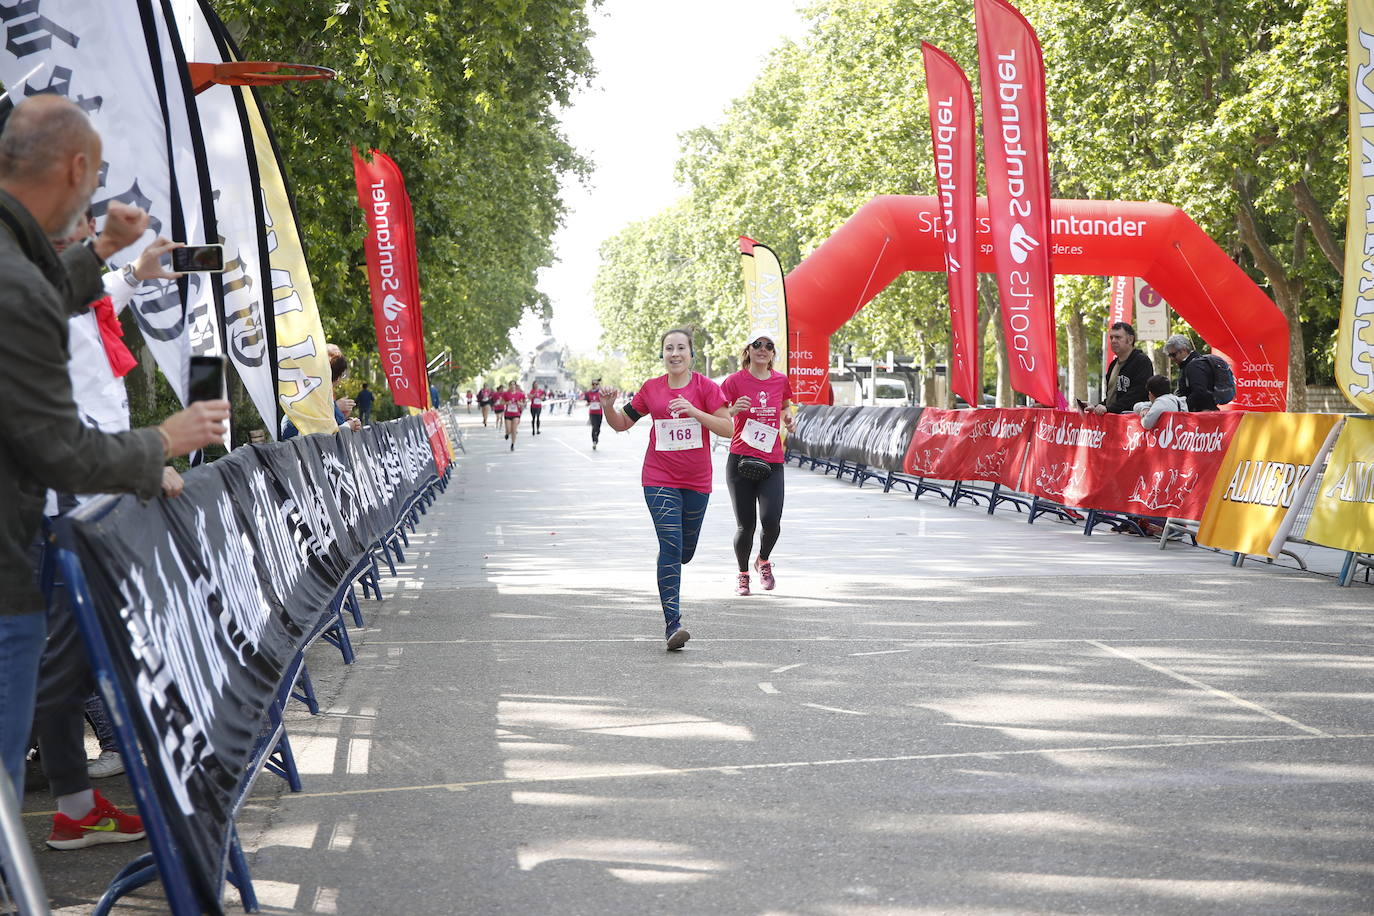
(759, 401)
(683, 405)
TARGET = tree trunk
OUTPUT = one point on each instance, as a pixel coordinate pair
(1287, 292)
(1078, 355)
(987, 293)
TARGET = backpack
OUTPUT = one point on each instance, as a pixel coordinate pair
(1223, 389)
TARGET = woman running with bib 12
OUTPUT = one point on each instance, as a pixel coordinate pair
(759, 401)
(684, 405)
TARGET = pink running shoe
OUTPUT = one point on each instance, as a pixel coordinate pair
(765, 571)
(743, 587)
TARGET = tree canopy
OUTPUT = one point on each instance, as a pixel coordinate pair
(1234, 111)
(464, 96)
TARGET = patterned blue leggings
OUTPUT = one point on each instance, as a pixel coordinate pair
(677, 515)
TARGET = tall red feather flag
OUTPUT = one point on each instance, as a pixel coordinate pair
(393, 273)
(1016, 164)
(952, 127)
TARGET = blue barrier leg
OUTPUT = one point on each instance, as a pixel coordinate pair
(238, 875)
(354, 608)
(138, 873)
(396, 538)
(337, 632)
(386, 555)
(282, 761)
(307, 692)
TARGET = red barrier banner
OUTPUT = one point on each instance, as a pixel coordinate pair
(1016, 165)
(394, 276)
(950, 99)
(970, 445)
(1113, 463)
(438, 443)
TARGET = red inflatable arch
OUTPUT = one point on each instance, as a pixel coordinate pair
(890, 235)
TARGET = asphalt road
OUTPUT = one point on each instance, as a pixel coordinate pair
(937, 711)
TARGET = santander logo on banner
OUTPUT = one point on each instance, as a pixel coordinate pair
(1016, 162)
(950, 101)
(394, 277)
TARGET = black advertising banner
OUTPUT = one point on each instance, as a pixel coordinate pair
(873, 436)
(205, 600)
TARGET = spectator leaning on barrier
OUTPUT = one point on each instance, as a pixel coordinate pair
(1194, 375)
(49, 167)
(1161, 401)
(1127, 373)
(343, 406)
(98, 362)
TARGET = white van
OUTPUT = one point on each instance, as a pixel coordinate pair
(893, 390)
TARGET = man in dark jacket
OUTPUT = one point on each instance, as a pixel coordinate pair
(1126, 375)
(49, 167)
(1194, 374)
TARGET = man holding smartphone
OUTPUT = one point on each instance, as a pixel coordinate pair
(1127, 374)
(49, 167)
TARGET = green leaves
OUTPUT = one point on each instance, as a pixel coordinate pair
(462, 96)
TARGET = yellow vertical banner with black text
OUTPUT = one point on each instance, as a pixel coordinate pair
(1343, 513)
(304, 386)
(1270, 456)
(1355, 335)
(765, 297)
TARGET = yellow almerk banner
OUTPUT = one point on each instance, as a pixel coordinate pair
(304, 387)
(766, 300)
(1270, 454)
(1343, 514)
(1355, 336)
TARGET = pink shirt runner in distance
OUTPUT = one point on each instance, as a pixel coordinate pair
(514, 403)
(766, 398)
(689, 469)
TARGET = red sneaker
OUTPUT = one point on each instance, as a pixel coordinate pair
(104, 824)
(743, 587)
(765, 569)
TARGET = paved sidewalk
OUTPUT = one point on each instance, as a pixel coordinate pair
(937, 711)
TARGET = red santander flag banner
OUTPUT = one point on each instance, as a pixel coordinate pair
(950, 99)
(394, 276)
(1016, 164)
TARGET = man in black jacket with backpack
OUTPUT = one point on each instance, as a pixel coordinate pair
(1196, 374)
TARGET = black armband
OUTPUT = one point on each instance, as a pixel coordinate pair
(630, 412)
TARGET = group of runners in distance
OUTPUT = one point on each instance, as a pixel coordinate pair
(507, 404)
(750, 408)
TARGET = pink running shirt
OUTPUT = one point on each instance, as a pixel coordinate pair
(536, 397)
(515, 403)
(766, 398)
(689, 469)
(593, 399)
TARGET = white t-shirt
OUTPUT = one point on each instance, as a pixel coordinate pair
(1166, 403)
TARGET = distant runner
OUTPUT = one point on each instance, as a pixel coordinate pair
(515, 405)
(593, 398)
(484, 402)
(684, 405)
(536, 407)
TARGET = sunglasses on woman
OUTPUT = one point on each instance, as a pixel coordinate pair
(762, 344)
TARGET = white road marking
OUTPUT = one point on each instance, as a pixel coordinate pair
(1193, 682)
(766, 687)
(659, 772)
(500, 538)
(847, 712)
(882, 652)
(583, 455)
(786, 668)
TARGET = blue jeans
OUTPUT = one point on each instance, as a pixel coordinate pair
(677, 515)
(22, 637)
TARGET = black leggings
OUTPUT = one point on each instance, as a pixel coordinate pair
(534, 418)
(752, 498)
(596, 427)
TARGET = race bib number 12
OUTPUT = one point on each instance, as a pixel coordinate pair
(759, 435)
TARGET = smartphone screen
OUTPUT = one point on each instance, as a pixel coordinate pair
(206, 381)
(201, 258)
